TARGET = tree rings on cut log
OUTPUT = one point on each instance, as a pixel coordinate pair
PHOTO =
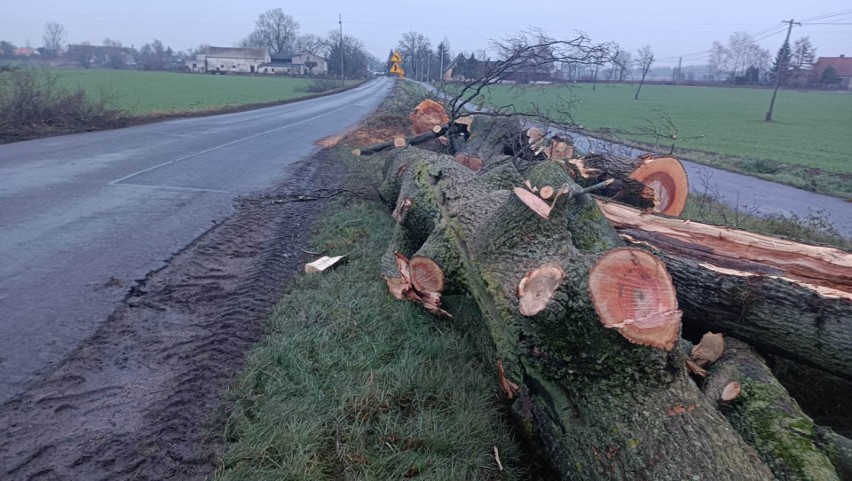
(399, 142)
(426, 275)
(426, 115)
(537, 287)
(731, 391)
(546, 192)
(667, 178)
(632, 292)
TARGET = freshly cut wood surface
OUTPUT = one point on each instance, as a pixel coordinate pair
(426, 115)
(667, 177)
(811, 265)
(633, 292)
(537, 287)
(426, 275)
(322, 263)
(533, 201)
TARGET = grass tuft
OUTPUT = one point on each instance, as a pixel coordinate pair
(352, 384)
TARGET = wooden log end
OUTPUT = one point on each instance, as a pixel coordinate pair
(437, 129)
(399, 142)
(546, 192)
(533, 201)
(537, 288)
(667, 178)
(356, 152)
(731, 392)
(427, 114)
(426, 274)
(632, 292)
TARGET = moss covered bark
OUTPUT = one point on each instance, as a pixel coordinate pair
(768, 418)
(605, 409)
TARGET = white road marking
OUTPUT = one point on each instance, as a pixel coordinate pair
(212, 149)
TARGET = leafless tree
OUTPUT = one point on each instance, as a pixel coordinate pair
(54, 36)
(309, 43)
(622, 61)
(274, 30)
(645, 57)
(521, 51)
(739, 53)
(413, 46)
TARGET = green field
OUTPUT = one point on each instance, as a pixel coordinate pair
(143, 93)
(813, 129)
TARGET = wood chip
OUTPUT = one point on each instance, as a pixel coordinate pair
(709, 349)
(534, 202)
(322, 263)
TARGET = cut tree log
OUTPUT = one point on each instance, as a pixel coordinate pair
(764, 414)
(426, 115)
(656, 183)
(322, 263)
(493, 141)
(788, 298)
(413, 140)
(605, 408)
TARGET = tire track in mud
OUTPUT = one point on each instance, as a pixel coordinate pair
(143, 398)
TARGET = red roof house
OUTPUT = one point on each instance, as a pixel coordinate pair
(842, 66)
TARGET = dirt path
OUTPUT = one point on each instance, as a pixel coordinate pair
(143, 398)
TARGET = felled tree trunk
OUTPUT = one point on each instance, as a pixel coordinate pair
(492, 141)
(656, 183)
(606, 408)
(769, 419)
(785, 297)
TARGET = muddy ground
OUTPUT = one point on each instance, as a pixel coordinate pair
(144, 398)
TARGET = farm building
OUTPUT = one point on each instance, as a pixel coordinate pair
(295, 64)
(256, 60)
(841, 65)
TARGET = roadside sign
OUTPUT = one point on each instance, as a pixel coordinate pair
(396, 57)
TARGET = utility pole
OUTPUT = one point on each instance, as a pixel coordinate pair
(677, 72)
(780, 68)
(442, 52)
(340, 20)
(428, 64)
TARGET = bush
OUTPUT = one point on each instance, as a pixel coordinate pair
(320, 85)
(32, 105)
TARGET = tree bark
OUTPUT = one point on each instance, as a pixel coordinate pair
(605, 408)
(788, 298)
(494, 140)
(768, 418)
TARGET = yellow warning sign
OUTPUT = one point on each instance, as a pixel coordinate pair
(396, 69)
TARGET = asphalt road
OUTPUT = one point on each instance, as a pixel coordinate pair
(82, 217)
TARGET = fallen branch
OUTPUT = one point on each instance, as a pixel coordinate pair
(437, 131)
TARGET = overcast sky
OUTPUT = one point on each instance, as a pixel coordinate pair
(672, 28)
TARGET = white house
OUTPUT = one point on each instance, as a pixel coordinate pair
(256, 60)
(229, 60)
